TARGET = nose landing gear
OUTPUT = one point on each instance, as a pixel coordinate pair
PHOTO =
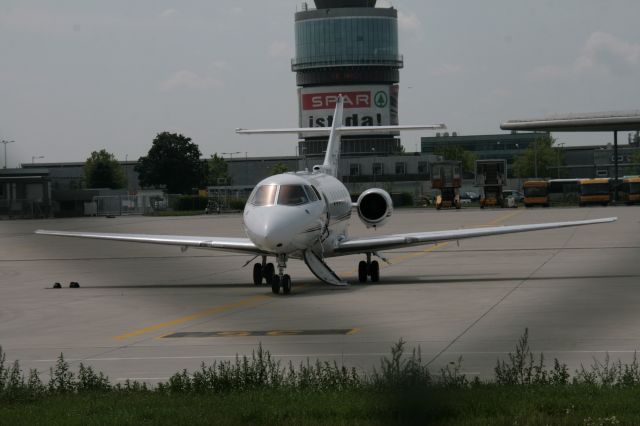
(262, 271)
(267, 272)
(368, 268)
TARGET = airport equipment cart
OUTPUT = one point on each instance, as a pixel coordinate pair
(446, 177)
(491, 175)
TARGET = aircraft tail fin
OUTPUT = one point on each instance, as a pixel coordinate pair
(332, 156)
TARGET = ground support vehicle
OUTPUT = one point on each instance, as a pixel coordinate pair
(564, 191)
(536, 193)
(491, 175)
(595, 191)
(446, 177)
(630, 190)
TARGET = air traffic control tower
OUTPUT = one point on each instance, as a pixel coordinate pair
(348, 47)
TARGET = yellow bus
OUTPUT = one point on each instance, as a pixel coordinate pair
(595, 191)
(630, 190)
(536, 193)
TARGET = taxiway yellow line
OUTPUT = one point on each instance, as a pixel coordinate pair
(202, 314)
(503, 218)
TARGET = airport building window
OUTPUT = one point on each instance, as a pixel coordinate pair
(354, 169)
(401, 168)
(423, 167)
(377, 169)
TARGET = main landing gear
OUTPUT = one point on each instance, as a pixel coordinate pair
(368, 268)
(267, 271)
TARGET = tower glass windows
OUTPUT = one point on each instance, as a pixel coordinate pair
(347, 41)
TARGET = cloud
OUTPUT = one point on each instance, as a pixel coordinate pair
(602, 53)
(279, 49)
(185, 79)
(608, 50)
(167, 13)
(446, 70)
(407, 20)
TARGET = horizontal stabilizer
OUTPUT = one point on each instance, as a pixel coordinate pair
(343, 130)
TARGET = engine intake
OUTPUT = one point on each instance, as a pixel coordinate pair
(374, 207)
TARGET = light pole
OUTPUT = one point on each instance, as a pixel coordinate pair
(560, 145)
(230, 154)
(230, 161)
(535, 157)
(373, 165)
(5, 151)
(36, 157)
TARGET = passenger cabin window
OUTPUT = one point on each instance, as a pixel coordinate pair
(265, 195)
(292, 195)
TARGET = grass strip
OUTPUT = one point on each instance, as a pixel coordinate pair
(479, 405)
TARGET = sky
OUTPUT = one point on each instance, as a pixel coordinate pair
(78, 76)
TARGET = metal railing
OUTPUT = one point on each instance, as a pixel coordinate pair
(119, 205)
(327, 61)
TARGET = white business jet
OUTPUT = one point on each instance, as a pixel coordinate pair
(305, 215)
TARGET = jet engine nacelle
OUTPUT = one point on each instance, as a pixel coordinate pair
(374, 207)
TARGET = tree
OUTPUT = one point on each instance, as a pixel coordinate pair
(635, 159)
(218, 171)
(458, 153)
(174, 162)
(278, 168)
(541, 155)
(102, 170)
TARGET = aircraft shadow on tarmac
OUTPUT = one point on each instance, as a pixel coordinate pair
(311, 286)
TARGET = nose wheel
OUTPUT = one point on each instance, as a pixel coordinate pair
(368, 269)
(267, 271)
(262, 271)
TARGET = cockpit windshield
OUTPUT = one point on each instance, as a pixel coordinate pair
(287, 195)
(292, 195)
(265, 195)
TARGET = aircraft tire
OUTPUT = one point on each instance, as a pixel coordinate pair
(286, 284)
(268, 272)
(275, 284)
(375, 271)
(362, 271)
(257, 274)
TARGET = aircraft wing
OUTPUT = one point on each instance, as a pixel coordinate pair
(240, 245)
(386, 242)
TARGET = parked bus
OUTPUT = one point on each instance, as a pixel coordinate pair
(595, 191)
(564, 191)
(536, 193)
(630, 190)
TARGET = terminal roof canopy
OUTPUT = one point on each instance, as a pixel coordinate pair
(591, 122)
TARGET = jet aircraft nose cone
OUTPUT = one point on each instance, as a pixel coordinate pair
(270, 229)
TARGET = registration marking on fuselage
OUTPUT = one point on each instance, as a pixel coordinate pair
(262, 333)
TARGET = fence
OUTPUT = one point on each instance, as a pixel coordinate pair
(23, 208)
(118, 205)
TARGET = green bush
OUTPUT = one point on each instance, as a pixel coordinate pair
(237, 203)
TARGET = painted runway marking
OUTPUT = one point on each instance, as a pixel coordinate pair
(202, 314)
(503, 218)
(270, 333)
